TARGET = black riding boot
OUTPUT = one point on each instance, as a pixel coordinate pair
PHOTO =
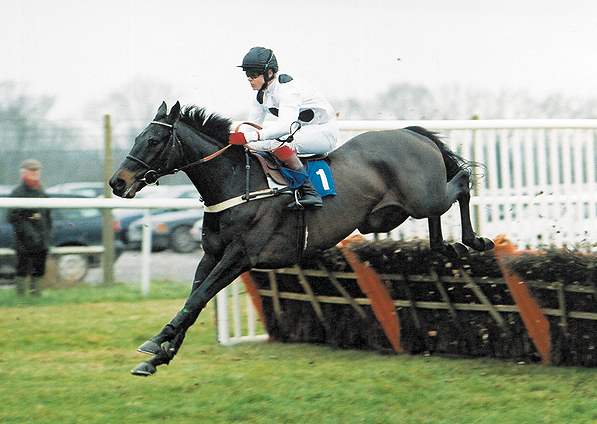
(310, 198)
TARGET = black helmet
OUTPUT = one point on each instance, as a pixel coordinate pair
(260, 59)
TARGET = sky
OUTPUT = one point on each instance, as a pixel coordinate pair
(82, 51)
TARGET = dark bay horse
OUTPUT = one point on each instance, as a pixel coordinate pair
(381, 179)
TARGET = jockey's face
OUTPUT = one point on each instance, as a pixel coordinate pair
(256, 83)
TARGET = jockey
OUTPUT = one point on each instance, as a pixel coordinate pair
(289, 99)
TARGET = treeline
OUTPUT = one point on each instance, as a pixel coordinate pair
(408, 101)
(24, 126)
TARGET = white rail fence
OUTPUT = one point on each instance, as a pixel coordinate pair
(538, 187)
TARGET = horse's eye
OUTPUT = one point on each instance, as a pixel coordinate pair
(153, 142)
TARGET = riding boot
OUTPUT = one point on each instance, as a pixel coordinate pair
(310, 197)
(21, 284)
(36, 284)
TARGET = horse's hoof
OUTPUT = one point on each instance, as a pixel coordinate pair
(489, 244)
(456, 250)
(482, 244)
(150, 348)
(144, 369)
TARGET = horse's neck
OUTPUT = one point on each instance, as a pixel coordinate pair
(204, 176)
(222, 177)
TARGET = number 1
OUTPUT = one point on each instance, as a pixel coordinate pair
(324, 179)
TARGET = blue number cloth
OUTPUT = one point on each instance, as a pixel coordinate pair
(319, 173)
(321, 176)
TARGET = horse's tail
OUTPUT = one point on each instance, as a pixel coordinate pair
(454, 162)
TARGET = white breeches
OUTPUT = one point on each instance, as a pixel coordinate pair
(309, 140)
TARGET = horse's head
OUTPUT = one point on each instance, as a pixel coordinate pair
(154, 152)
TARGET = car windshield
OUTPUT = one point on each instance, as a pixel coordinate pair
(72, 214)
(169, 192)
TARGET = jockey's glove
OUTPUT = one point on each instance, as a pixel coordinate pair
(243, 138)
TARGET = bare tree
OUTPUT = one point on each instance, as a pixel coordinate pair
(408, 101)
(131, 107)
(22, 124)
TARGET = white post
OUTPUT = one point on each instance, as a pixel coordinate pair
(236, 309)
(146, 253)
(222, 316)
(251, 316)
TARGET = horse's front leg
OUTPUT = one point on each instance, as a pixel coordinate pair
(154, 345)
(167, 342)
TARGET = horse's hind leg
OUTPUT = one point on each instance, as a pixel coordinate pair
(437, 242)
(457, 190)
(468, 235)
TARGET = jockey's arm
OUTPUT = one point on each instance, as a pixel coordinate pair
(257, 114)
(288, 113)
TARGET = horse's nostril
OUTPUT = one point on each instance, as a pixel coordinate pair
(117, 184)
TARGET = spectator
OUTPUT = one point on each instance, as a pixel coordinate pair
(32, 230)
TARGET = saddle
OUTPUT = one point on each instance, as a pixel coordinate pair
(282, 177)
(271, 165)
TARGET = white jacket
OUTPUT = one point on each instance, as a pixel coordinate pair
(290, 99)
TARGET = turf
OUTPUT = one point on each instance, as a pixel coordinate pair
(66, 359)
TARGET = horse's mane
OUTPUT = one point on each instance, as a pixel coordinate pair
(212, 125)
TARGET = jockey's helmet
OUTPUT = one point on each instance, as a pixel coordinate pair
(260, 59)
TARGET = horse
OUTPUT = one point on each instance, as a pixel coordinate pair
(381, 179)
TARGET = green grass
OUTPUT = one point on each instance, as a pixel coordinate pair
(66, 359)
(85, 293)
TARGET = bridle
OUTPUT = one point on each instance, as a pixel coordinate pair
(152, 175)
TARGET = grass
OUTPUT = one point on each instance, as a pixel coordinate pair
(66, 359)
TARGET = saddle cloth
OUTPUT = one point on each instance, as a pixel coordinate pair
(318, 171)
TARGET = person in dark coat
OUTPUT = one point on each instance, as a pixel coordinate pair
(32, 231)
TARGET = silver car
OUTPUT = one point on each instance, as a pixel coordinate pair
(170, 230)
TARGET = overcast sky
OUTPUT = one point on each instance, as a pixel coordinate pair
(83, 50)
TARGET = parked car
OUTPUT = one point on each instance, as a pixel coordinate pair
(70, 227)
(124, 217)
(87, 189)
(197, 231)
(5, 190)
(170, 230)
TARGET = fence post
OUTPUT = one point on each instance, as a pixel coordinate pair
(222, 323)
(108, 231)
(146, 247)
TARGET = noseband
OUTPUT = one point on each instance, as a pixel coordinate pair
(152, 176)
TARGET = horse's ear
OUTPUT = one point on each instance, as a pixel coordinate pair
(162, 110)
(174, 113)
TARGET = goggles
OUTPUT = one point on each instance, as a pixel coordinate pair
(253, 73)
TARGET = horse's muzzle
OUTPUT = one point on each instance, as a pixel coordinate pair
(124, 184)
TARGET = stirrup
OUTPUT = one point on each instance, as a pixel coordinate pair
(296, 205)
